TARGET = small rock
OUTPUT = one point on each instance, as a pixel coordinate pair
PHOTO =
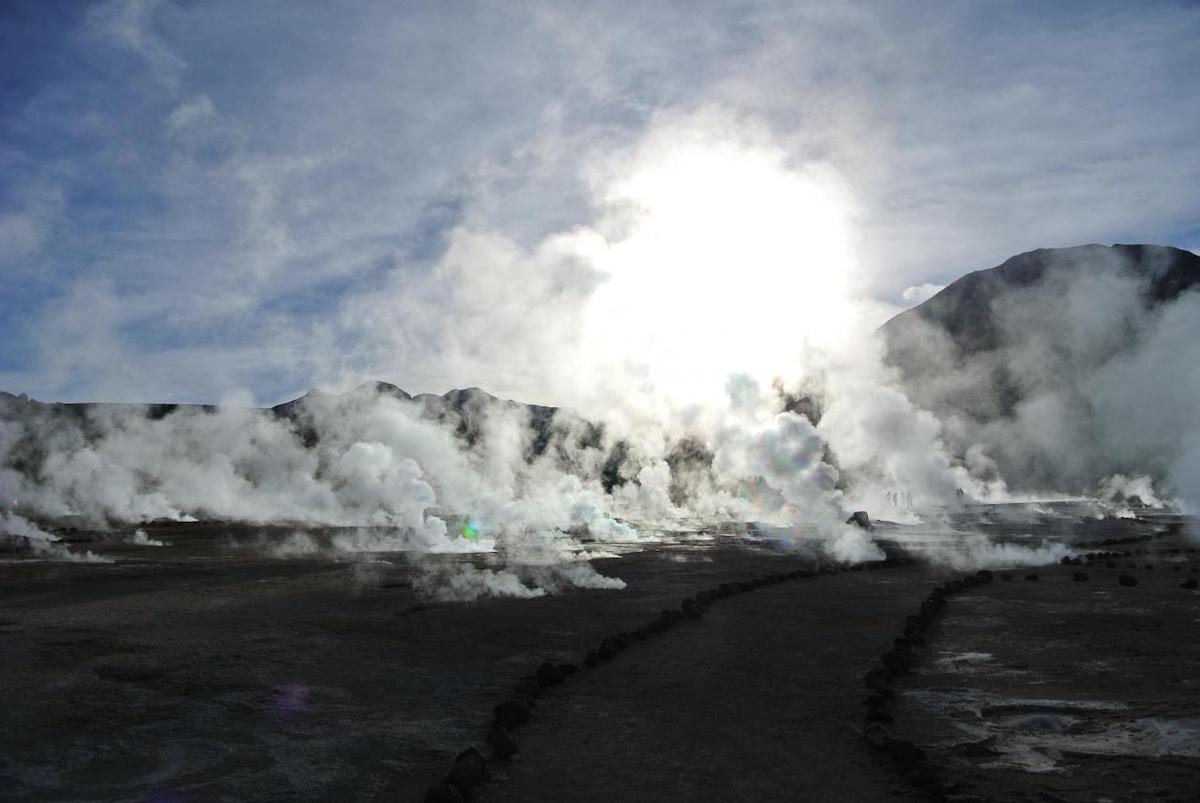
(592, 658)
(549, 674)
(860, 518)
(1127, 580)
(905, 755)
(470, 770)
(1033, 578)
(1189, 584)
(1080, 577)
(878, 678)
(512, 712)
(503, 743)
(877, 736)
(529, 687)
(895, 664)
(1006, 576)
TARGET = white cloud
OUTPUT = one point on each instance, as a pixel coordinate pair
(129, 24)
(921, 292)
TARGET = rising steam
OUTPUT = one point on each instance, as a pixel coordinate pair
(706, 333)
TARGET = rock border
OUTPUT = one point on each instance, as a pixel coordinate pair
(469, 770)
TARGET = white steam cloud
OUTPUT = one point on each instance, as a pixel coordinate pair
(706, 331)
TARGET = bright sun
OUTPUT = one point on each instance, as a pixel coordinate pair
(733, 262)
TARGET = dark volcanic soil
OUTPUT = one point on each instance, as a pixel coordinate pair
(201, 672)
(1064, 689)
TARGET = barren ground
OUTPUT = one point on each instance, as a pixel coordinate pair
(199, 671)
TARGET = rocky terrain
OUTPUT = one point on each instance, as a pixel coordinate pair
(208, 669)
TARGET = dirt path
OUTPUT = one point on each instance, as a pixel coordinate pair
(758, 701)
(204, 674)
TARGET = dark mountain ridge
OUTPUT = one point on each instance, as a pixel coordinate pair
(964, 309)
(1065, 363)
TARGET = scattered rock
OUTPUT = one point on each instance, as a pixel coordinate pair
(470, 770)
(549, 674)
(878, 678)
(512, 712)
(877, 736)
(503, 743)
(896, 664)
(860, 518)
(905, 755)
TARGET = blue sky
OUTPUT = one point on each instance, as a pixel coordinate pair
(203, 199)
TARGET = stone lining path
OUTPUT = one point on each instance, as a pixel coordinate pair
(760, 700)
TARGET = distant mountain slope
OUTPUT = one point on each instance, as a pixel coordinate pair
(964, 309)
(1071, 343)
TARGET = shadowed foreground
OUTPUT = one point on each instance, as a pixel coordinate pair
(203, 671)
